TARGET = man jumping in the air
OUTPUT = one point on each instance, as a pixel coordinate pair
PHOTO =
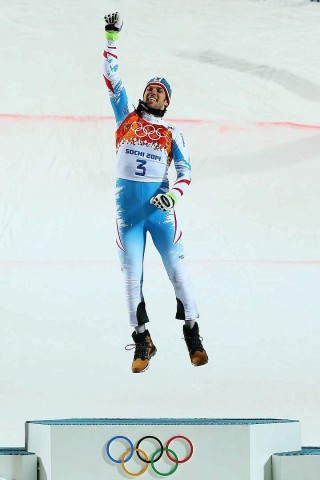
(146, 146)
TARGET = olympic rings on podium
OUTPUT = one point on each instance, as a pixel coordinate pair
(190, 445)
(160, 450)
(171, 471)
(128, 454)
(116, 438)
(138, 452)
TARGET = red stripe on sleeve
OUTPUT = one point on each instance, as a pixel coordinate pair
(109, 84)
(179, 190)
(105, 54)
(183, 181)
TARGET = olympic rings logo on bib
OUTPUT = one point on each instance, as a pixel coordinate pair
(155, 457)
(149, 131)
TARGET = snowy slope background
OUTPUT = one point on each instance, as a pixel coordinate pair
(245, 77)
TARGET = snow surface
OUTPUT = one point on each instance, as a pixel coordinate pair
(246, 92)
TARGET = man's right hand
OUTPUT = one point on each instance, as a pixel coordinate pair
(113, 22)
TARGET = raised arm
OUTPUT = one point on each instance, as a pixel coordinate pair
(117, 92)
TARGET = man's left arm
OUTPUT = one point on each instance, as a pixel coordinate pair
(182, 164)
(180, 153)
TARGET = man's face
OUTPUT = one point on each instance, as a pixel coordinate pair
(155, 97)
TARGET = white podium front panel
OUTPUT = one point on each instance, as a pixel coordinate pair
(109, 449)
(297, 465)
(17, 464)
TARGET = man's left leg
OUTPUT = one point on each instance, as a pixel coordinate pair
(167, 239)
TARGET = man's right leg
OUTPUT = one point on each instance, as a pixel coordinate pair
(131, 257)
(131, 241)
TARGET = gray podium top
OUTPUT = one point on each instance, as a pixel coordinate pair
(162, 421)
(303, 451)
(14, 451)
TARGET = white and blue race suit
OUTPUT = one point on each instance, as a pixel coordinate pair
(146, 145)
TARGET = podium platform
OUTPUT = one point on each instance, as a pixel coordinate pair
(110, 449)
(303, 464)
(17, 464)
